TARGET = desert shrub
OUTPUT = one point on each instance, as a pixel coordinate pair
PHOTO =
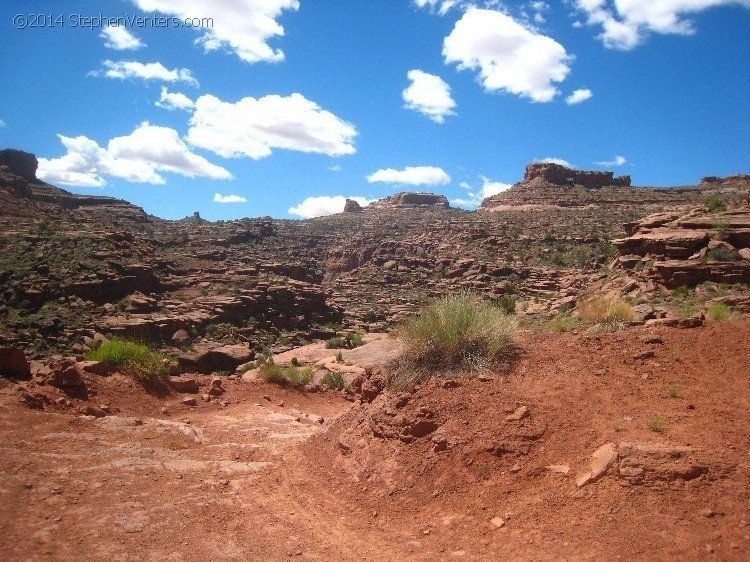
(458, 332)
(674, 389)
(606, 311)
(560, 323)
(336, 343)
(133, 358)
(718, 311)
(720, 254)
(506, 303)
(285, 376)
(295, 362)
(334, 381)
(683, 301)
(348, 341)
(656, 424)
(686, 308)
(222, 332)
(681, 292)
(720, 228)
(714, 203)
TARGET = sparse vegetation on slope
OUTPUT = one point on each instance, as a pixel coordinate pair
(460, 332)
(135, 359)
(285, 376)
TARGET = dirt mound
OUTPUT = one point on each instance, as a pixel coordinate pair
(590, 448)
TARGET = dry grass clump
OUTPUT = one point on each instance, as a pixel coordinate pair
(606, 312)
(460, 333)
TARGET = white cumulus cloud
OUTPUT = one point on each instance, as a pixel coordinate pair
(625, 23)
(255, 127)
(243, 27)
(474, 197)
(120, 39)
(174, 100)
(579, 96)
(325, 205)
(508, 56)
(141, 157)
(430, 95)
(616, 161)
(411, 175)
(560, 161)
(219, 198)
(124, 70)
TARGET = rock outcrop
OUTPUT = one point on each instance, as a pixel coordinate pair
(20, 163)
(549, 186)
(737, 181)
(351, 206)
(412, 199)
(675, 249)
(557, 174)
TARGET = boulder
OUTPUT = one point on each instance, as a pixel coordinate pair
(185, 385)
(13, 363)
(181, 339)
(208, 358)
(94, 368)
(70, 381)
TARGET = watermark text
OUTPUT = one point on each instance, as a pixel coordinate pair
(50, 21)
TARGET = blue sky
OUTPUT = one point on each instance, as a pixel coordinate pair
(284, 107)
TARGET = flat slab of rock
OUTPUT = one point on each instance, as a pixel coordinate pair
(650, 463)
(185, 385)
(94, 368)
(519, 413)
(604, 457)
(684, 323)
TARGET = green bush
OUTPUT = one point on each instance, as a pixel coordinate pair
(560, 323)
(507, 303)
(285, 376)
(681, 292)
(718, 311)
(460, 332)
(334, 381)
(135, 359)
(715, 204)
